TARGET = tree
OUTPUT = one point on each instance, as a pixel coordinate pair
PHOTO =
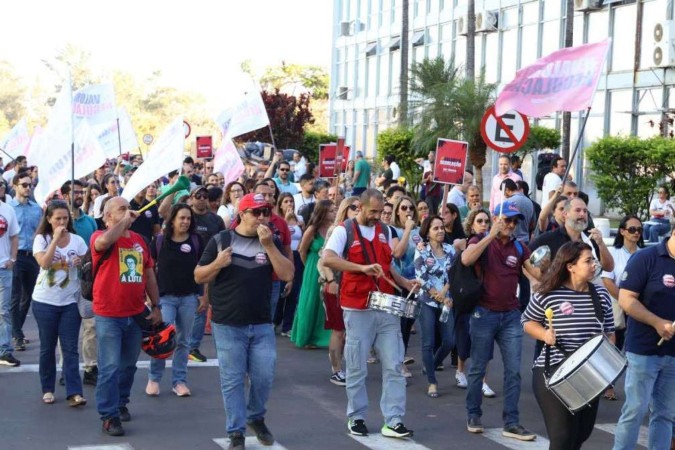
(294, 78)
(569, 42)
(403, 75)
(470, 40)
(311, 141)
(288, 116)
(399, 143)
(627, 170)
(540, 138)
(12, 93)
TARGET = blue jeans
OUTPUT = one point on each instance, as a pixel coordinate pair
(653, 232)
(24, 277)
(285, 311)
(178, 310)
(650, 382)
(59, 323)
(429, 324)
(366, 329)
(274, 297)
(487, 327)
(197, 334)
(119, 343)
(5, 315)
(247, 350)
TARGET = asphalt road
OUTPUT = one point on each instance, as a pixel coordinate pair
(305, 410)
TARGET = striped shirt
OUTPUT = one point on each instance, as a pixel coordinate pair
(574, 319)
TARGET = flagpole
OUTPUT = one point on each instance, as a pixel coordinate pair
(72, 146)
(8, 155)
(119, 136)
(576, 146)
(269, 126)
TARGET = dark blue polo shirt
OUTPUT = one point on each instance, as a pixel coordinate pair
(650, 273)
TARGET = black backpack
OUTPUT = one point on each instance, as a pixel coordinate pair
(88, 272)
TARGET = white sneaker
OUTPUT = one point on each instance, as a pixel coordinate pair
(461, 380)
(405, 372)
(487, 392)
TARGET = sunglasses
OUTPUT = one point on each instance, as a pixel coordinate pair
(353, 208)
(407, 208)
(482, 221)
(25, 185)
(283, 170)
(510, 220)
(265, 212)
(78, 192)
(633, 230)
(200, 196)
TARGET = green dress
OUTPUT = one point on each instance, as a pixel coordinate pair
(310, 316)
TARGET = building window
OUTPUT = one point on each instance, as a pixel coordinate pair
(418, 38)
(371, 48)
(395, 43)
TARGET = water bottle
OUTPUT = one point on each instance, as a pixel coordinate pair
(445, 314)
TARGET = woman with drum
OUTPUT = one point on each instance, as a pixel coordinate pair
(405, 224)
(567, 291)
(308, 326)
(433, 259)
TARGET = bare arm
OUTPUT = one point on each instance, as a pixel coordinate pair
(611, 287)
(538, 332)
(473, 251)
(14, 245)
(165, 207)
(112, 234)
(281, 265)
(306, 241)
(208, 273)
(534, 272)
(44, 258)
(629, 302)
(151, 287)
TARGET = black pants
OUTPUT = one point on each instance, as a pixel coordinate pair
(566, 431)
(24, 276)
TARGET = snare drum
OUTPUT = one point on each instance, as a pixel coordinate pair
(393, 304)
(587, 373)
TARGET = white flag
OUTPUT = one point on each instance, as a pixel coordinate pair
(165, 156)
(15, 143)
(96, 103)
(33, 150)
(227, 161)
(113, 142)
(246, 114)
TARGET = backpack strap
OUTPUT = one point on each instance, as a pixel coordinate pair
(105, 256)
(597, 306)
(223, 239)
(159, 240)
(349, 228)
(519, 248)
(196, 244)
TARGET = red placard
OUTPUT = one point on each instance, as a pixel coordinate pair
(204, 146)
(327, 153)
(450, 161)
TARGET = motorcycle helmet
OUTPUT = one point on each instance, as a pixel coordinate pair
(160, 342)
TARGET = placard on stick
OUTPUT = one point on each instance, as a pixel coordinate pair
(327, 157)
(450, 162)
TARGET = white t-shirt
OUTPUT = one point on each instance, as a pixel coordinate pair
(338, 238)
(226, 212)
(9, 227)
(296, 236)
(300, 201)
(8, 176)
(551, 183)
(395, 170)
(457, 197)
(60, 284)
(97, 205)
(664, 207)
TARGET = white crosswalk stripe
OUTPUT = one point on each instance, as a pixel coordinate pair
(378, 442)
(495, 435)
(123, 446)
(33, 368)
(251, 444)
(643, 437)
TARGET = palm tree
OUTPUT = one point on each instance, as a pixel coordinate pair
(403, 76)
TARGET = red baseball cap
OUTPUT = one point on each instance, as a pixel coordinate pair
(252, 201)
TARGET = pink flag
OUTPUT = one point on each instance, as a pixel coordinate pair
(227, 161)
(565, 80)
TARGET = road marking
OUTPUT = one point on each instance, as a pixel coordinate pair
(379, 442)
(33, 368)
(124, 446)
(251, 444)
(495, 435)
(643, 436)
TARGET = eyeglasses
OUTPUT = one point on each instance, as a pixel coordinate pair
(481, 221)
(265, 212)
(200, 196)
(406, 208)
(236, 191)
(385, 213)
(355, 208)
(78, 192)
(25, 185)
(510, 220)
(633, 230)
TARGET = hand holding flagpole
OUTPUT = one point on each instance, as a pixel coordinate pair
(663, 339)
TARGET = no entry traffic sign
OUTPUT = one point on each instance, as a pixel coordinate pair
(506, 133)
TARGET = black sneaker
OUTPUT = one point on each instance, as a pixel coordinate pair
(237, 441)
(518, 432)
(90, 376)
(8, 360)
(357, 427)
(20, 344)
(196, 355)
(338, 378)
(113, 427)
(474, 425)
(399, 431)
(261, 431)
(125, 416)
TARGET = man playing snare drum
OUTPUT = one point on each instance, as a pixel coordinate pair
(647, 295)
(365, 266)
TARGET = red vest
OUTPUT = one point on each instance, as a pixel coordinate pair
(355, 286)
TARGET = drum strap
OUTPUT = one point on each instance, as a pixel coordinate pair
(597, 307)
(366, 256)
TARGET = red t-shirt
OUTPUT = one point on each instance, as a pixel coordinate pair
(119, 286)
(501, 267)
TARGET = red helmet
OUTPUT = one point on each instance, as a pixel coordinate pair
(160, 342)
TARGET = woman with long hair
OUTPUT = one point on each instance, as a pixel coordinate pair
(176, 252)
(330, 283)
(308, 327)
(405, 220)
(90, 195)
(454, 232)
(422, 210)
(566, 289)
(58, 251)
(433, 259)
(4, 196)
(234, 191)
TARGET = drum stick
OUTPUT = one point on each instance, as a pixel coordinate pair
(662, 339)
(394, 285)
(549, 316)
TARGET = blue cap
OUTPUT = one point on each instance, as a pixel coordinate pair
(508, 209)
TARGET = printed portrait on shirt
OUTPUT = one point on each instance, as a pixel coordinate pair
(131, 265)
